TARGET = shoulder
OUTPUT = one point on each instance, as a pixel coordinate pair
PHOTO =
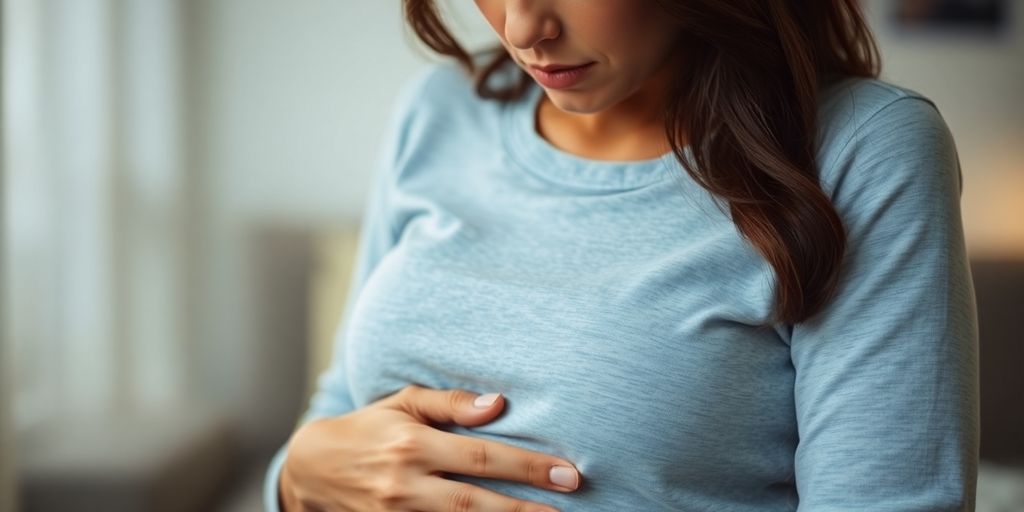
(859, 94)
(878, 134)
(857, 107)
(436, 115)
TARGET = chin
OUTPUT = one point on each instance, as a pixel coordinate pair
(576, 102)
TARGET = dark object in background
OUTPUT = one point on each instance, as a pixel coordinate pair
(999, 287)
(176, 461)
(973, 15)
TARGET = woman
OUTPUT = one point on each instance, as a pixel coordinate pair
(720, 267)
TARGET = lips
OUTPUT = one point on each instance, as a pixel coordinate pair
(551, 68)
(562, 77)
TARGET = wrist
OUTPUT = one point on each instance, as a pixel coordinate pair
(286, 500)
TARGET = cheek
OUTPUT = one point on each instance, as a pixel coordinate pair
(621, 29)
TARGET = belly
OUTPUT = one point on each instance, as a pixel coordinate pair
(659, 400)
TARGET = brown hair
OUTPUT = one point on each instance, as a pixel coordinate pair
(746, 103)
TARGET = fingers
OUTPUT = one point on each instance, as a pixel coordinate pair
(438, 451)
(443, 495)
(455, 453)
(429, 405)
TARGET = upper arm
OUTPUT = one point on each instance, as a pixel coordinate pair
(886, 389)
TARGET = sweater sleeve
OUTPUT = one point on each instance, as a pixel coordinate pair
(378, 234)
(886, 389)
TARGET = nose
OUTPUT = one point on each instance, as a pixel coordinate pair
(528, 23)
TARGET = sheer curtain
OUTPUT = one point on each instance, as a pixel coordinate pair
(7, 478)
(94, 205)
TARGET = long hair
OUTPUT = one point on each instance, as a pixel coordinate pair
(746, 103)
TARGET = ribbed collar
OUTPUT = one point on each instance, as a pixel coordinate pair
(527, 148)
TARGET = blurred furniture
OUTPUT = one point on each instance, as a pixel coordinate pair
(333, 261)
(999, 287)
(177, 461)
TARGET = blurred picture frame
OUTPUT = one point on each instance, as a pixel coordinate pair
(983, 18)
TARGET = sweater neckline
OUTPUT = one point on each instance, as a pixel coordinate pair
(538, 156)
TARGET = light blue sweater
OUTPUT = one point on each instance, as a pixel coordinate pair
(614, 305)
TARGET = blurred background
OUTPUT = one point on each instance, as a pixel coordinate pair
(181, 188)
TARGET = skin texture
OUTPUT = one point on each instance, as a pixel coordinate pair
(614, 113)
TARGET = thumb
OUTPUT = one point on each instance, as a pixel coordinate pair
(445, 406)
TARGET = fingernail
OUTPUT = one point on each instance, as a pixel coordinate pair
(485, 401)
(564, 476)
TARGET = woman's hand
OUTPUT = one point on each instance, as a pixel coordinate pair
(386, 457)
